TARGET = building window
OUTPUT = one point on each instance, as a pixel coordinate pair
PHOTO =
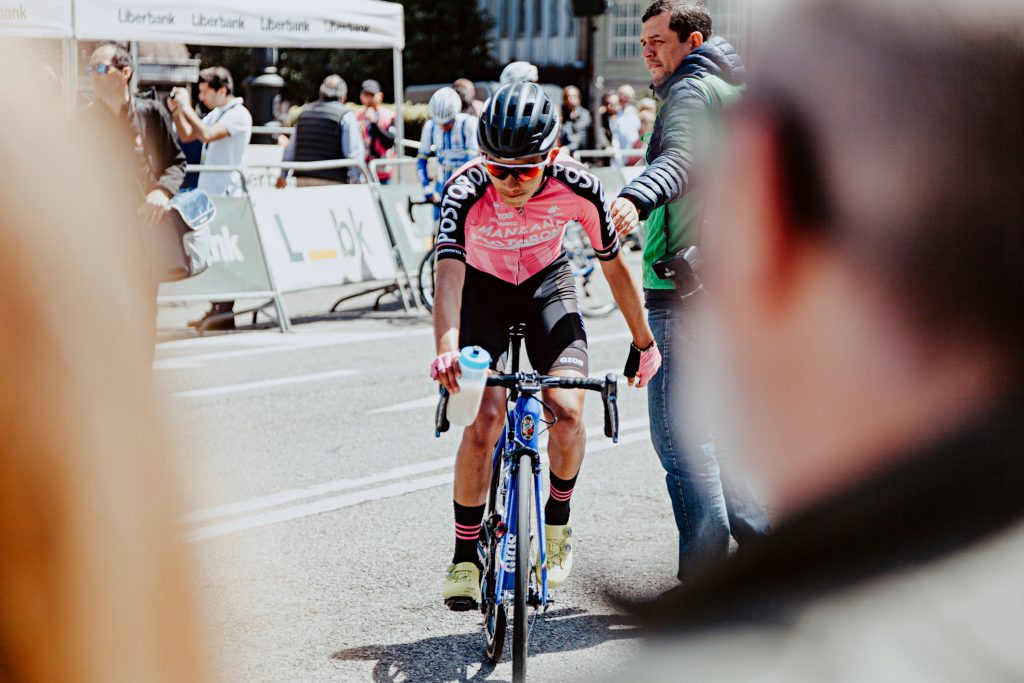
(624, 30)
(730, 20)
(521, 18)
(553, 16)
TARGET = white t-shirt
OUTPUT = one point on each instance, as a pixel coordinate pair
(226, 151)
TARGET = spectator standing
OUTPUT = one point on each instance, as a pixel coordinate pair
(326, 130)
(377, 125)
(609, 113)
(467, 91)
(576, 121)
(224, 133)
(646, 129)
(158, 164)
(874, 346)
(691, 77)
(628, 127)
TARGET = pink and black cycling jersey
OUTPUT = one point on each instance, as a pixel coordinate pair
(512, 244)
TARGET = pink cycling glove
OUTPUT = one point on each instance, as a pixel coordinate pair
(444, 363)
(642, 364)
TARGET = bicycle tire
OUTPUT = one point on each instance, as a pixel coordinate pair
(589, 309)
(495, 616)
(520, 619)
(425, 281)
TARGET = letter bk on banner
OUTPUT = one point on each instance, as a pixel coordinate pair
(323, 236)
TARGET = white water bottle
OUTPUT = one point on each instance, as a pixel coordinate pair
(463, 406)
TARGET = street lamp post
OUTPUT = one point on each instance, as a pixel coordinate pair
(262, 86)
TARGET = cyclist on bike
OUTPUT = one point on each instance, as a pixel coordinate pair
(452, 135)
(501, 261)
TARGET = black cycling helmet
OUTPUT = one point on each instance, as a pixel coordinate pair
(518, 121)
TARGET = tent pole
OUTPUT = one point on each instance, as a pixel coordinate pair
(396, 54)
(69, 47)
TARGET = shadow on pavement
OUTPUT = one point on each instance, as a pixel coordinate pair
(461, 657)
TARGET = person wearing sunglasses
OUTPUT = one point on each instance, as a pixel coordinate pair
(158, 162)
(501, 262)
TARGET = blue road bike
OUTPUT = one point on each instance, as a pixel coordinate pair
(514, 578)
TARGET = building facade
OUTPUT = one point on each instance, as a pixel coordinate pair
(546, 33)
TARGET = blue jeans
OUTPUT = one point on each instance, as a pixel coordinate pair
(709, 502)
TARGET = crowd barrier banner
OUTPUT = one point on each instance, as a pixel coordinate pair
(237, 268)
(258, 160)
(322, 236)
(414, 234)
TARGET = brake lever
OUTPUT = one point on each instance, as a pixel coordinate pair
(441, 423)
(610, 397)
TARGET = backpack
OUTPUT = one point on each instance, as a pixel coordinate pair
(178, 246)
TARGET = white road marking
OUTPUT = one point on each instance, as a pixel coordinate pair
(275, 499)
(318, 507)
(350, 499)
(292, 495)
(265, 384)
(269, 344)
(613, 336)
(416, 403)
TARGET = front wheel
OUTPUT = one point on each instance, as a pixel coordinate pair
(520, 619)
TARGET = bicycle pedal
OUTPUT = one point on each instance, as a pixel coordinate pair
(461, 604)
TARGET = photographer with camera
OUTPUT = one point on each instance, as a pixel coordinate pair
(695, 76)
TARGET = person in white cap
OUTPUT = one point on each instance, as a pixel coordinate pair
(517, 72)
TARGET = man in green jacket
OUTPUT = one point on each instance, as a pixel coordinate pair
(695, 76)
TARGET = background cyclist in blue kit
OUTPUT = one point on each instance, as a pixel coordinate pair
(452, 136)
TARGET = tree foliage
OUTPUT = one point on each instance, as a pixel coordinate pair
(443, 41)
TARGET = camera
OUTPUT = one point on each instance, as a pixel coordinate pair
(681, 268)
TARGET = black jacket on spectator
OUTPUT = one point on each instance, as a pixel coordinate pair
(318, 138)
(157, 159)
(576, 132)
(670, 154)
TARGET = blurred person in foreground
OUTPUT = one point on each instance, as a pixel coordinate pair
(225, 133)
(326, 130)
(94, 586)
(865, 282)
(695, 76)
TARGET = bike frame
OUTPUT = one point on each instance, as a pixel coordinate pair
(521, 436)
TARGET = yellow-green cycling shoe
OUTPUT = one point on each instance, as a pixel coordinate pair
(558, 544)
(461, 590)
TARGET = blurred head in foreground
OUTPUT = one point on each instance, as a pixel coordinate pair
(865, 265)
(93, 586)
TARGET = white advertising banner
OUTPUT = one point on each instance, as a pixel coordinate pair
(257, 175)
(322, 236)
(36, 18)
(269, 23)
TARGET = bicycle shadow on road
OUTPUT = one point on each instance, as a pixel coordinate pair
(461, 657)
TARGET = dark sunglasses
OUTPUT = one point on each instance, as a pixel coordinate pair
(518, 171)
(100, 69)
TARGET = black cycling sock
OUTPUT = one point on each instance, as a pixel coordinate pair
(468, 521)
(556, 510)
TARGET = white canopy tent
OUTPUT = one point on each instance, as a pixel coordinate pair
(37, 19)
(46, 19)
(352, 24)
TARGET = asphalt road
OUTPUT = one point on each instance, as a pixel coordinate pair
(319, 507)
